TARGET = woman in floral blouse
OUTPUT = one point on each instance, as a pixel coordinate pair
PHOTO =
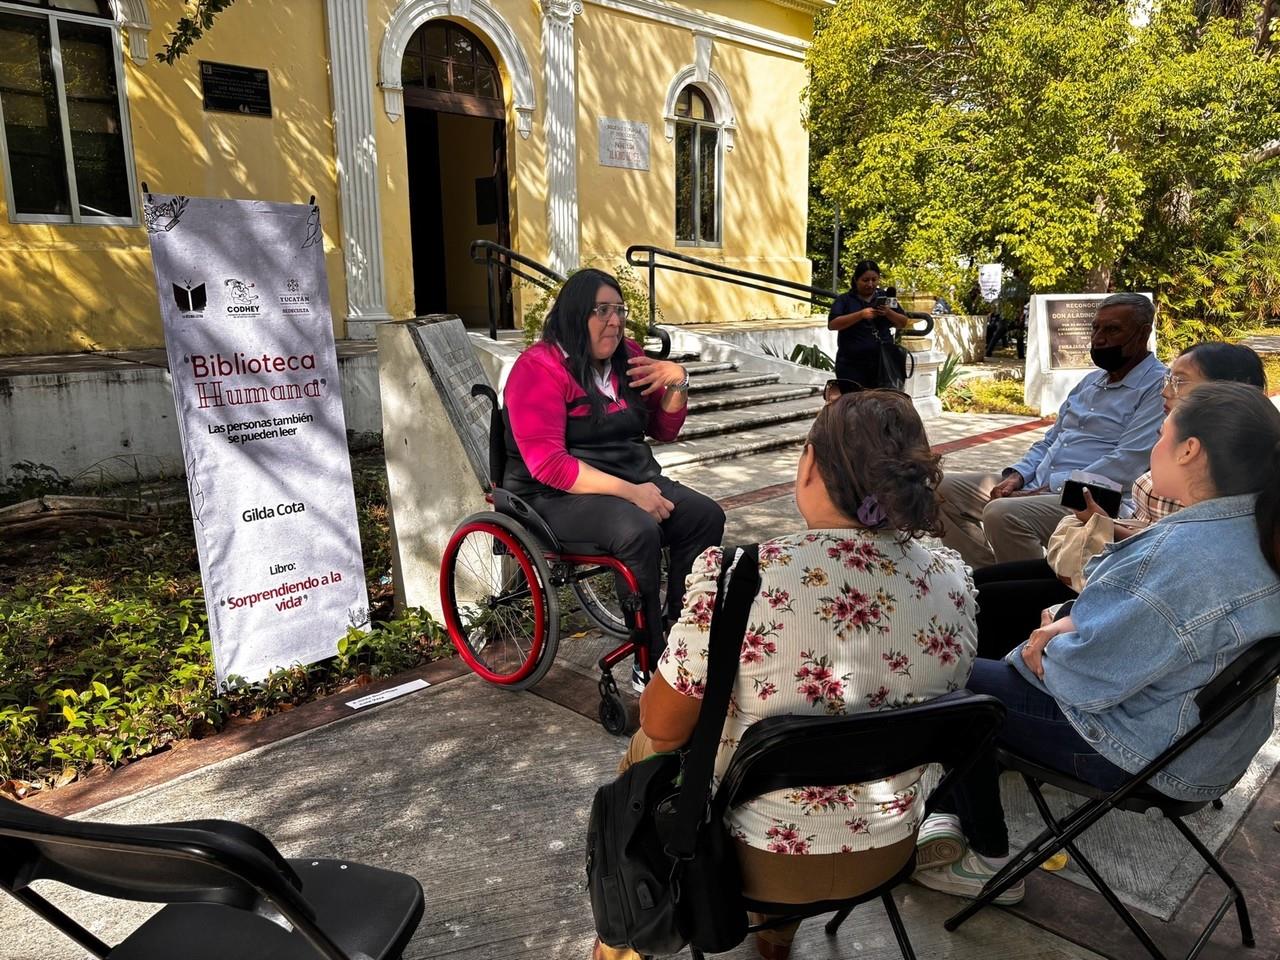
(856, 612)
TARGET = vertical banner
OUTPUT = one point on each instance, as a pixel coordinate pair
(245, 303)
(990, 281)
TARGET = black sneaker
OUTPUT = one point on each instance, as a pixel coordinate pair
(638, 679)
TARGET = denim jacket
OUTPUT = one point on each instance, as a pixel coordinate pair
(1163, 612)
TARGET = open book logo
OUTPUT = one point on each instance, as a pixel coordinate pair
(190, 299)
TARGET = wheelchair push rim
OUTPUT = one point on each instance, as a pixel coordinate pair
(500, 616)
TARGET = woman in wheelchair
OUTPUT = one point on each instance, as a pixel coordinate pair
(1102, 692)
(856, 612)
(578, 407)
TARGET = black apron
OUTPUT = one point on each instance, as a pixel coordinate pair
(616, 447)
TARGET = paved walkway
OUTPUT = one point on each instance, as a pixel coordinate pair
(483, 795)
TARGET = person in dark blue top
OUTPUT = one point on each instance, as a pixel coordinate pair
(862, 326)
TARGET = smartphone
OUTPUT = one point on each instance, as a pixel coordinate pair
(1105, 497)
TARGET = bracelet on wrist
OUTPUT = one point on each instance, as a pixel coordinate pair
(682, 385)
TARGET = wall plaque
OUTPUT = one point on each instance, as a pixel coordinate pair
(624, 143)
(233, 89)
(1070, 329)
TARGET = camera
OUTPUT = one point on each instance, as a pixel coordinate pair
(886, 298)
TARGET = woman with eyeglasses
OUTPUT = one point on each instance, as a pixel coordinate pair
(863, 320)
(578, 406)
(1013, 596)
(1099, 693)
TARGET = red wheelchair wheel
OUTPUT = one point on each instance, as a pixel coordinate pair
(501, 613)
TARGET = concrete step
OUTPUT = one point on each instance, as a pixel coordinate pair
(724, 446)
(701, 368)
(730, 381)
(752, 396)
(735, 420)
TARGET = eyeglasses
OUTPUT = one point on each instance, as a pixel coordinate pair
(1174, 384)
(605, 311)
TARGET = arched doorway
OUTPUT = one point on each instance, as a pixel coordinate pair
(455, 133)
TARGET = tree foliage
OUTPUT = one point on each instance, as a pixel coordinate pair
(191, 27)
(1075, 139)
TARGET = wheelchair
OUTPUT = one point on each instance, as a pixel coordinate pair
(501, 576)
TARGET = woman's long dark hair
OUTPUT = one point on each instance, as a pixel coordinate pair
(566, 327)
(1239, 428)
(1227, 361)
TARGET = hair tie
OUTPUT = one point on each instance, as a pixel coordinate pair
(870, 513)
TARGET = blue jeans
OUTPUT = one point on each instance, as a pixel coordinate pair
(1034, 727)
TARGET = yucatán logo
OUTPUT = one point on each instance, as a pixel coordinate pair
(190, 299)
(243, 300)
(293, 300)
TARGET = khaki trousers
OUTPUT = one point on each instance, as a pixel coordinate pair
(986, 531)
(784, 878)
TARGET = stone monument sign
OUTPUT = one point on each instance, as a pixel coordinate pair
(1059, 332)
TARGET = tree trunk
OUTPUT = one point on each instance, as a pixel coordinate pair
(1262, 36)
(1268, 151)
(1098, 279)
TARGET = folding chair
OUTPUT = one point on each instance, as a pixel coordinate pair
(1252, 674)
(782, 752)
(229, 891)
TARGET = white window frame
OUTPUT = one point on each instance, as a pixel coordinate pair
(75, 217)
(718, 126)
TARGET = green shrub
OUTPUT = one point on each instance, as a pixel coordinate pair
(105, 655)
(948, 372)
(28, 480)
(986, 395)
(805, 354)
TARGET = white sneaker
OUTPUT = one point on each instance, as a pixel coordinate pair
(966, 878)
(638, 680)
(940, 841)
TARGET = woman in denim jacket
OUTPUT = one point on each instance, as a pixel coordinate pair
(1102, 692)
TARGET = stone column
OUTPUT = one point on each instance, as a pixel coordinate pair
(561, 120)
(352, 79)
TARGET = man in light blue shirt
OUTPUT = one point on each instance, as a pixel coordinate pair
(1107, 425)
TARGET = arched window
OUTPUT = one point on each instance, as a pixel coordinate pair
(447, 67)
(697, 140)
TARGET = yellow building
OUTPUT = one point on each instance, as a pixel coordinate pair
(566, 130)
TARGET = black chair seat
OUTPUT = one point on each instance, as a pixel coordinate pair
(1251, 674)
(229, 893)
(1140, 801)
(369, 913)
(783, 752)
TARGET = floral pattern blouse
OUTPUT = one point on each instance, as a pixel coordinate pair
(846, 621)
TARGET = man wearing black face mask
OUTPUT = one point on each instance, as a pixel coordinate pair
(1107, 425)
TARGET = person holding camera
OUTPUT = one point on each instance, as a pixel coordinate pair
(864, 318)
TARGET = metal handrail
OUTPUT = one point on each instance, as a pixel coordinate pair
(494, 257)
(710, 270)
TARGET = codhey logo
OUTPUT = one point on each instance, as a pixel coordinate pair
(243, 301)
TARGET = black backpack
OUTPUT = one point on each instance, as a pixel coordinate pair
(660, 874)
